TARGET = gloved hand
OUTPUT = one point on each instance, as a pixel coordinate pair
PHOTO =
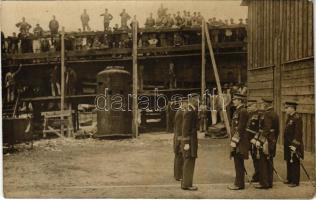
(293, 148)
(253, 141)
(233, 144)
(258, 144)
(186, 147)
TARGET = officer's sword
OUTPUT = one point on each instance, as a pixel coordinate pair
(275, 171)
(304, 169)
(249, 180)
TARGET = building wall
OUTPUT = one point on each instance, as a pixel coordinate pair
(281, 58)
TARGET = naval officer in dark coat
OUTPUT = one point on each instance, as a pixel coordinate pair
(293, 144)
(253, 133)
(239, 141)
(178, 156)
(189, 142)
(269, 129)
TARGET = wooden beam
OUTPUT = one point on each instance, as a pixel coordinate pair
(62, 60)
(135, 84)
(203, 63)
(218, 83)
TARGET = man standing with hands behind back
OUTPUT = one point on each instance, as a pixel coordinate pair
(189, 143)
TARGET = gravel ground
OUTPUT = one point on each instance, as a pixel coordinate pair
(131, 168)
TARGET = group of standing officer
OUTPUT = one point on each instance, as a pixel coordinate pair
(256, 130)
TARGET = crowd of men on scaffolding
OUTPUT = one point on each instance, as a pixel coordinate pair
(254, 129)
(35, 42)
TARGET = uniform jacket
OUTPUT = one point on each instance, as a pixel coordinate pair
(270, 129)
(253, 124)
(293, 134)
(239, 124)
(189, 131)
(177, 131)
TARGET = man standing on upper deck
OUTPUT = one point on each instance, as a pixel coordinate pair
(107, 19)
(85, 20)
(150, 21)
(24, 26)
(53, 26)
(124, 18)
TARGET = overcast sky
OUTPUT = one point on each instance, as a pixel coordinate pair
(68, 12)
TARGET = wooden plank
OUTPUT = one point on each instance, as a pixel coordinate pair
(261, 84)
(305, 28)
(304, 90)
(265, 28)
(262, 28)
(299, 71)
(292, 34)
(283, 30)
(309, 133)
(308, 64)
(261, 93)
(300, 29)
(218, 83)
(304, 129)
(288, 29)
(203, 62)
(295, 36)
(272, 32)
(62, 71)
(310, 28)
(313, 132)
(255, 46)
(135, 80)
(301, 99)
(259, 78)
(298, 82)
(250, 35)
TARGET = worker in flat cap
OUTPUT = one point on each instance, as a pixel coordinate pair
(239, 141)
(189, 141)
(293, 144)
(269, 132)
(253, 134)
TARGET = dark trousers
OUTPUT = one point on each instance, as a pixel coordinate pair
(266, 171)
(188, 171)
(239, 170)
(256, 165)
(178, 165)
(293, 171)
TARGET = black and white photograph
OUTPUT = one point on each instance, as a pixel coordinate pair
(158, 99)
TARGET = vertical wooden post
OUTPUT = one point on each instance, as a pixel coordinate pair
(135, 81)
(203, 83)
(218, 83)
(203, 64)
(62, 90)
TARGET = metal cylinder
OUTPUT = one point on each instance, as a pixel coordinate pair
(114, 116)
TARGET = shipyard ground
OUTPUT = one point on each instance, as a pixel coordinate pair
(132, 168)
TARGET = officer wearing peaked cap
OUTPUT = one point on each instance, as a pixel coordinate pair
(269, 132)
(189, 143)
(293, 144)
(239, 141)
(253, 133)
